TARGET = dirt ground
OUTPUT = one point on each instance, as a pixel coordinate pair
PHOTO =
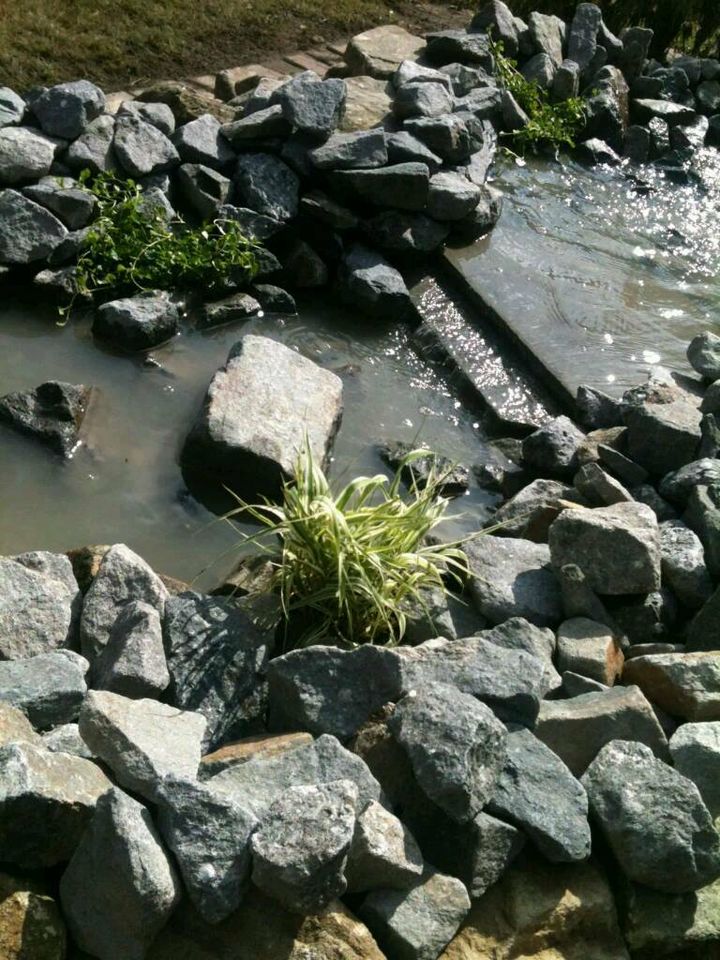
(119, 42)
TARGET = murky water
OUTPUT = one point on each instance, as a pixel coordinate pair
(601, 275)
(126, 484)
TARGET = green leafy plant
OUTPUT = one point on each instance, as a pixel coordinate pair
(350, 562)
(551, 124)
(132, 246)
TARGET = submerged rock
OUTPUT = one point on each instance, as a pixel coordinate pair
(52, 413)
(367, 280)
(137, 323)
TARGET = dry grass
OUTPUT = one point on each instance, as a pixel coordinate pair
(118, 42)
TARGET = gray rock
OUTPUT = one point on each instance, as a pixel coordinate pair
(513, 578)
(139, 322)
(537, 793)
(459, 46)
(66, 739)
(123, 576)
(257, 127)
(132, 663)
(312, 106)
(267, 185)
(548, 35)
(455, 744)
(410, 71)
(274, 299)
(646, 109)
(417, 924)
(496, 18)
(703, 353)
(708, 97)
(63, 197)
(710, 443)
(379, 52)
(684, 685)
(695, 749)
(384, 854)
(566, 82)
(530, 513)
(258, 782)
(513, 116)
(645, 619)
(363, 149)
(303, 266)
(451, 196)
(703, 516)
(39, 601)
(589, 648)
(540, 69)
(301, 847)
(233, 437)
(711, 400)
(678, 485)
(94, 150)
(49, 687)
(204, 189)
(447, 137)
(28, 232)
(236, 307)
(66, 109)
(617, 548)
(142, 741)
(422, 100)
(597, 151)
(216, 656)
(539, 642)
(14, 725)
(253, 224)
(12, 107)
(204, 141)
(683, 564)
(704, 630)
(369, 282)
(575, 685)
(395, 231)
(46, 802)
(647, 494)
(209, 834)
(653, 818)
(690, 137)
(582, 36)
(24, 155)
(598, 488)
(403, 147)
(319, 206)
(636, 44)
(52, 413)
(577, 729)
(120, 887)
(327, 690)
(158, 114)
(141, 148)
(403, 186)
(663, 425)
(552, 449)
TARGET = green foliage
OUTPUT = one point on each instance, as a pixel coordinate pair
(131, 246)
(352, 560)
(552, 124)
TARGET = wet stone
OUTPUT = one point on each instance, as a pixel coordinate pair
(137, 323)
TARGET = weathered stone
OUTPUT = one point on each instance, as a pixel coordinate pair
(683, 564)
(552, 449)
(597, 151)
(636, 44)
(235, 438)
(422, 100)
(158, 114)
(410, 71)
(514, 118)
(513, 578)
(66, 739)
(459, 46)
(589, 648)
(51, 413)
(66, 109)
(31, 926)
(48, 687)
(141, 148)
(204, 141)
(704, 630)
(132, 663)
(577, 729)
(653, 818)
(120, 886)
(363, 149)
(216, 655)
(703, 516)
(300, 849)
(651, 618)
(312, 106)
(303, 266)
(268, 185)
(599, 488)
(46, 802)
(380, 51)
(646, 109)
(236, 307)
(617, 548)
(677, 486)
(695, 749)
(28, 232)
(14, 725)
(403, 147)
(708, 97)
(448, 137)
(368, 103)
(253, 224)
(209, 834)
(203, 189)
(186, 102)
(496, 18)
(530, 513)
(24, 155)
(139, 322)
(142, 741)
(368, 281)
(12, 107)
(94, 150)
(403, 186)
(456, 747)
(548, 35)
(685, 685)
(274, 299)
(240, 751)
(383, 854)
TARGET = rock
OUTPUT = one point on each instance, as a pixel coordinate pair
(703, 516)
(459, 46)
(12, 107)
(513, 116)
(617, 548)
(262, 745)
(410, 72)
(451, 196)
(510, 681)
(518, 634)
(66, 109)
(14, 725)
(455, 744)
(636, 44)
(48, 687)
(362, 149)
(94, 150)
(548, 35)
(589, 648)
(203, 189)
(312, 106)
(540, 69)
(203, 141)
(158, 114)
(397, 232)
(28, 232)
(663, 425)
(24, 155)
(301, 846)
(597, 151)
(685, 685)
(120, 887)
(577, 729)
(417, 924)
(303, 266)
(453, 479)
(532, 510)
(403, 186)
(187, 103)
(142, 741)
(319, 206)
(423, 100)
(368, 103)
(690, 137)
(233, 436)
(132, 663)
(583, 32)
(703, 353)
(496, 18)
(209, 834)
(236, 307)
(512, 577)
(403, 147)
(538, 794)
(645, 619)
(139, 322)
(71, 203)
(122, 576)
(31, 925)
(683, 564)
(695, 749)
(543, 911)
(647, 494)
(646, 109)
(575, 685)
(552, 449)
(708, 97)
(598, 488)
(253, 224)
(259, 781)
(46, 802)
(677, 486)
(66, 739)
(274, 299)
(327, 690)
(267, 185)
(704, 630)
(141, 148)
(51, 413)
(653, 819)
(216, 656)
(258, 126)
(380, 51)
(383, 854)
(448, 137)
(369, 282)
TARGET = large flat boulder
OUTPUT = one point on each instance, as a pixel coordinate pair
(259, 410)
(379, 52)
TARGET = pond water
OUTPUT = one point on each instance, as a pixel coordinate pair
(126, 485)
(602, 272)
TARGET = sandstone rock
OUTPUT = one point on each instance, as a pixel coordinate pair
(653, 818)
(14, 725)
(589, 648)
(368, 103)
(48, 687)
(685, 685)
(383, 853)
(132, 663)
(380, 51)
(28, 232)
(66, 109)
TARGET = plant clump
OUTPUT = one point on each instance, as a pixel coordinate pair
(352, 562)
